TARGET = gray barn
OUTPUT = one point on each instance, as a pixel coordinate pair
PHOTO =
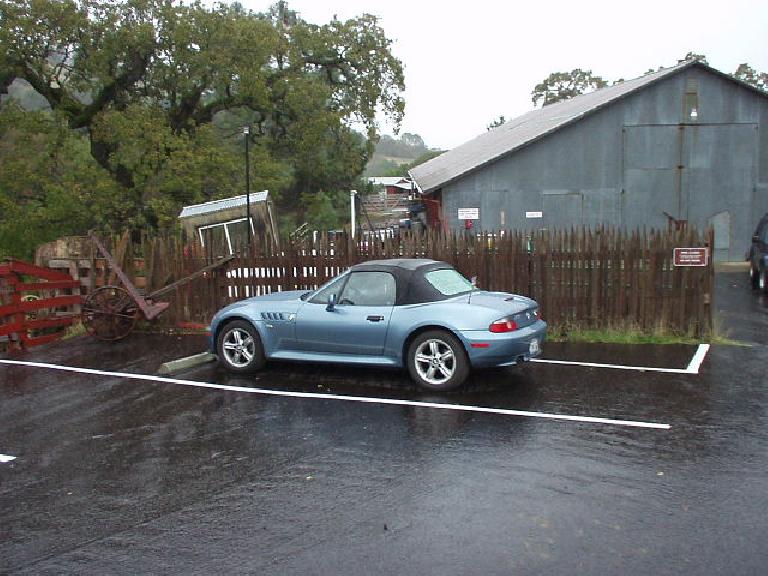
(686, 143)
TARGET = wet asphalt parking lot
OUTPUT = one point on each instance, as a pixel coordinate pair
(545, 469)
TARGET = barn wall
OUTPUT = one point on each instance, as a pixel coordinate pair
(631, 162)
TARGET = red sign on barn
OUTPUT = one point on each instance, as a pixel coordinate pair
(691, 256)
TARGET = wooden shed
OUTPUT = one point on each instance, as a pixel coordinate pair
(222, 224)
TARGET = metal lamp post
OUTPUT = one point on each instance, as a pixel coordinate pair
(246, 133)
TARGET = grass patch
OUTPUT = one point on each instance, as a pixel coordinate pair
(73, 331)
(608, 336)
(633, 335)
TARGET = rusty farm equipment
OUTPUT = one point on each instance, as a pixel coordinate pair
(111, 312)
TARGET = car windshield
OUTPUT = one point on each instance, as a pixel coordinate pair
(448, 282)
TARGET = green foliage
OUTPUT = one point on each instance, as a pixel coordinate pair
(170, 169)
(326, 211)
(632, 335)
(560, 86)
(160, 91)
(49, 184)
(747, 74)
(392, 168)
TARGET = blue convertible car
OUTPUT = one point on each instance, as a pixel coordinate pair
(419, 314)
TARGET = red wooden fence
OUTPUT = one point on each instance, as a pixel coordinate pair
(36, 304)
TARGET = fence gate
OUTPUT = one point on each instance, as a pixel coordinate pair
(36, 304)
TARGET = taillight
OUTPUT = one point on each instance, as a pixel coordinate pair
(538, 314)
(503, 325)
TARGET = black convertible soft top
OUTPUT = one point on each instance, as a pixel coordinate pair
(412, 287)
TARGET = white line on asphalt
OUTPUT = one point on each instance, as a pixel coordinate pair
(362, 399)
(616, 366)
(4, 458)
(692, 368)
(698, 358)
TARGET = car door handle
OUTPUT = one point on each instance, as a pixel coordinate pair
(375, 318)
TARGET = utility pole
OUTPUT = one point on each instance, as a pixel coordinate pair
(352, 194)
(246, 133)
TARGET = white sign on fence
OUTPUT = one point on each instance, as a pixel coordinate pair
(534, 214)
(469, 213)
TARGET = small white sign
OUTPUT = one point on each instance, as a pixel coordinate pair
(534, 214)
(469, 213)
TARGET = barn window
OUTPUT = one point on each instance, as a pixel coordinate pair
(691, 101)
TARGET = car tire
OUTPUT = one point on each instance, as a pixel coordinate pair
(437, 361)
(754, 276)
(762, 282)
(239, 348)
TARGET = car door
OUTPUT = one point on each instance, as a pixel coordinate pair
(357, 324)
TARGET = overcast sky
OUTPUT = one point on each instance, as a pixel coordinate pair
(466, 63)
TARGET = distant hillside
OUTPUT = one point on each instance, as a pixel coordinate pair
(391, 153)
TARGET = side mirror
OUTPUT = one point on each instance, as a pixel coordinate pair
(331, 302)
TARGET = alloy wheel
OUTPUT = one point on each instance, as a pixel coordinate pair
(435, 361)
(238, 347)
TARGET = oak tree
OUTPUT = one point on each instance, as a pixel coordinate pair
(156, 85)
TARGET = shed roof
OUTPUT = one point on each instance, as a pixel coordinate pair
(534, 125)
(386, 180)
(223, 204)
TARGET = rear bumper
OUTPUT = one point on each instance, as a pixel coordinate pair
(486, 349)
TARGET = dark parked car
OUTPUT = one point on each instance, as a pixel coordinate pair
(758, 256)
(409, 313)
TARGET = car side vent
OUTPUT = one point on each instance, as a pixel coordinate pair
(272, 316)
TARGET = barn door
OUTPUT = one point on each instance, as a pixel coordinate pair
(704, 174)
(720, 178)
(652, 181)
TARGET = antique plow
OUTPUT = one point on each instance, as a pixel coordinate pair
(110, 313)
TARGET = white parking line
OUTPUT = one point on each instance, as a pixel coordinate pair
(698, 358)
(5, 458)
(692, 368)
(362, 399)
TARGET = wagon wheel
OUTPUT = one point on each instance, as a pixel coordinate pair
(109, 313)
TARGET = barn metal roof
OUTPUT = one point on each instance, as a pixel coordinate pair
(223, 204)
(528, 128)
(386, 180)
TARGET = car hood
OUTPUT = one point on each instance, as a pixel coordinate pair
(267, 299)
(277, 296)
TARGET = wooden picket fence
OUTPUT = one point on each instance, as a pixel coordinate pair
(603, 278)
